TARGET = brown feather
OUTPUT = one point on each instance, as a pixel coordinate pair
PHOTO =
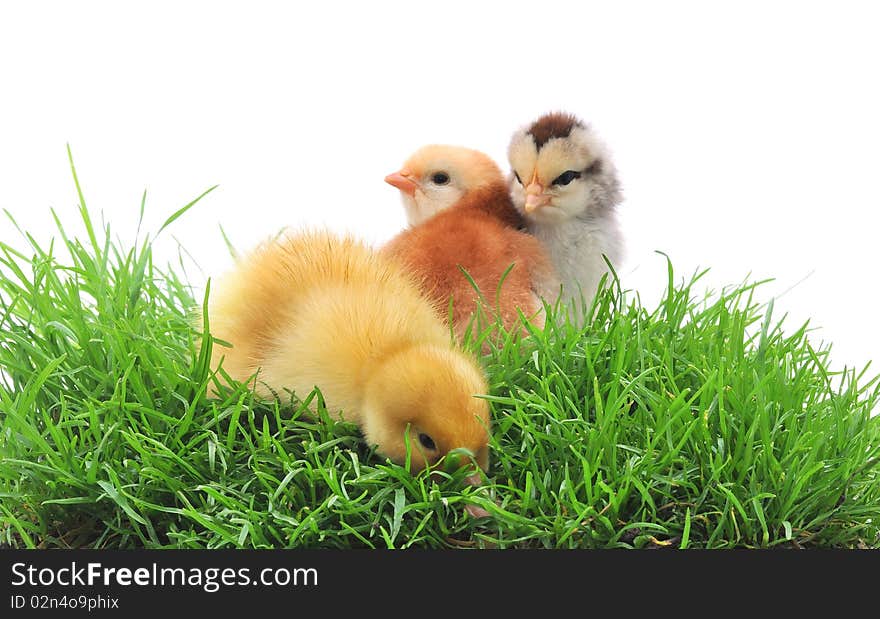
(494, 200)
(553, 125)
(480, 234)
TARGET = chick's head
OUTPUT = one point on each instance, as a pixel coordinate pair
(561, 170)
(437, 176)
(423, 398)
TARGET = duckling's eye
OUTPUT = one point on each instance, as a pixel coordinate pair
(518, 179)
(440, 178)
(566, 177)
(427, 442)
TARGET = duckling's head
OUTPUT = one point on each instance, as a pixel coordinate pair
(423, 400)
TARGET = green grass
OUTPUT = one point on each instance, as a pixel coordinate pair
(699, 423)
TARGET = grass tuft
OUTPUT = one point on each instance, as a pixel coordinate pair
(699, 423)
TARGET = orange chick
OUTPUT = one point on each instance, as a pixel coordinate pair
(313, 309)
(437, 176)
(464, 217)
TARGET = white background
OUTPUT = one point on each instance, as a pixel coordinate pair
(746, 133)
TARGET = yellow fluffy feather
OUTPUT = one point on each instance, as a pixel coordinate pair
(313, 309)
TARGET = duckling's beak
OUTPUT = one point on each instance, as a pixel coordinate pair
(535, 197)
(403, 181)
(476, 479)
(483, 457)
(458, 458)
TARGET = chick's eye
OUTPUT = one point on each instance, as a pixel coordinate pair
(440, 178)
(427, 442)
(518, 179)
(566, 177)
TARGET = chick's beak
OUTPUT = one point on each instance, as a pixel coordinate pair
(535, 197)
(402, 181)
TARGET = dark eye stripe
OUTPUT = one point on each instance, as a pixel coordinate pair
(595, 167)
(566, 177)
(569, 175)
